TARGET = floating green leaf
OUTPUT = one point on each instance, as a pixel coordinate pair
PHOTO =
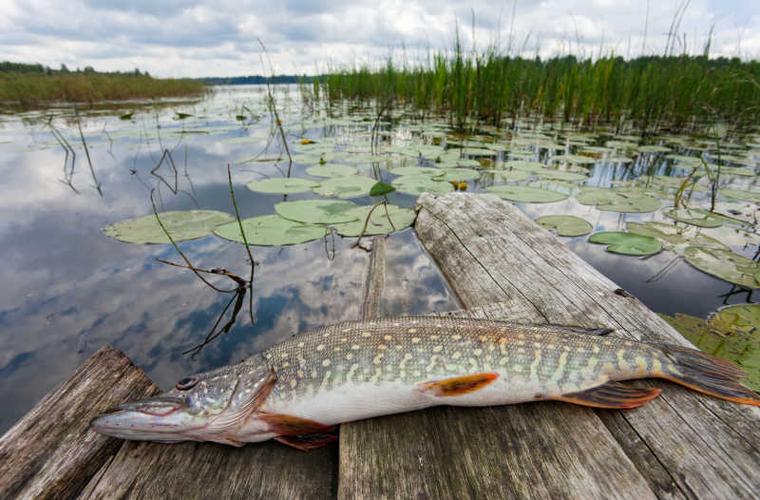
(577, 159)
(282, 185)
(456, 174)
(330, 171)
(400, 218)
(526, 194)
(618, 200)
(672, 236)
(626, 243)
(271, 230)
(724, 264)
(739, 194)
(561, 175)
(565, 225)
(731, 333)
(317, 211)
(694, 216)
(181, 225)
(528, 166)
(417, 184)
(352, 186)
(381, 189)
(414, 171)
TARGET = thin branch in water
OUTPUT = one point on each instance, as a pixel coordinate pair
(180, 252)
(245, 243)
(87, 154)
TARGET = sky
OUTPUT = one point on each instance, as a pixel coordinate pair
(175, 38)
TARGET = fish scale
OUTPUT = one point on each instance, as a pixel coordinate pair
(409, 350)
(298, 391)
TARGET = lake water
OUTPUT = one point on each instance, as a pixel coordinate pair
(68, 289)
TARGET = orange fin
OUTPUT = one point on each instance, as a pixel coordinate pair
(612, 395)
(707, 374)
(308, 442)
(289, 425)
(457, 386)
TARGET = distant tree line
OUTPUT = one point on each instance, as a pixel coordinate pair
(13, 67)
(257, 79)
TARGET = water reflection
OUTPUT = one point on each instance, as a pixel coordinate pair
(68, 289)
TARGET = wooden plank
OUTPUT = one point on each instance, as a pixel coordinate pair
(491, 252)
(484, 452)
(51, 452)
(207, 470)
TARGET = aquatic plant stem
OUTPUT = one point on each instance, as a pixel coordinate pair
(180, 252)
(245, 243)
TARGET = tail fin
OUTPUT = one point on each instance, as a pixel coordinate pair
(707, 374)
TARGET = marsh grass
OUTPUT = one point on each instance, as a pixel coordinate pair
(34, 90)
(652, 93)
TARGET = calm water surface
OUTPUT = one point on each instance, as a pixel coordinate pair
(69, 290)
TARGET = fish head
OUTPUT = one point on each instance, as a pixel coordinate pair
(210, 406)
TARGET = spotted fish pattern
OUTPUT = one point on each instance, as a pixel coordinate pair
(412, 350)
(298, 391)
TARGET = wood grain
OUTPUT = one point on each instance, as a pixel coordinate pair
(491, 252)
(523, 451)
(51, 452)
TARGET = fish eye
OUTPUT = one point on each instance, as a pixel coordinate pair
(186, 383)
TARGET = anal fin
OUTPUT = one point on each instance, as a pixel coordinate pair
(457, 386)
(307, 442)
(612, 395)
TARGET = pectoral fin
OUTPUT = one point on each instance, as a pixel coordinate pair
(612, 395)
(457, 386)
(307, 442)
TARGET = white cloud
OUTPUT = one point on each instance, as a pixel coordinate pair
(179, 38)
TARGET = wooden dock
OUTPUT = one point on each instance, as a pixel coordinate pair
(501, 265)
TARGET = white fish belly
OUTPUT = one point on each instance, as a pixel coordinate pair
(357, 401)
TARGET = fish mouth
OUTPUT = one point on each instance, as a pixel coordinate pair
(156, 419)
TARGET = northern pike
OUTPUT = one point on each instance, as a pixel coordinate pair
(298, 391)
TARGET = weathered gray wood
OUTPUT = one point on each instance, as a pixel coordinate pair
(51, 452)
(491, 252)
(482, 452)
(205, 470)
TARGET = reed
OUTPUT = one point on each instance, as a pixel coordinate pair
(33, 90)
(652, 93)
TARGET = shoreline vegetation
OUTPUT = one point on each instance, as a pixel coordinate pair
(30, 86)
(650, 93)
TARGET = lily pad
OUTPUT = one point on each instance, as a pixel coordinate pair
(271, 230)
(182, 225)
(618, 200)
(414, 171)
(400, 218)
(283, 185)
(739, 194)
(417, 184)
(352, 186)
(626, 243)
(561, 175)
(317, 211)
(577, 159)
(456, 174)
(526, 194)
(527, 166)
(731, 333)
(672, 236)
(724, 264)
(331, 170)
(565, 225)
(653, 149)
(694, 216)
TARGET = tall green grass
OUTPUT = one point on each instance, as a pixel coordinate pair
(653, 93)
(30, 90)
